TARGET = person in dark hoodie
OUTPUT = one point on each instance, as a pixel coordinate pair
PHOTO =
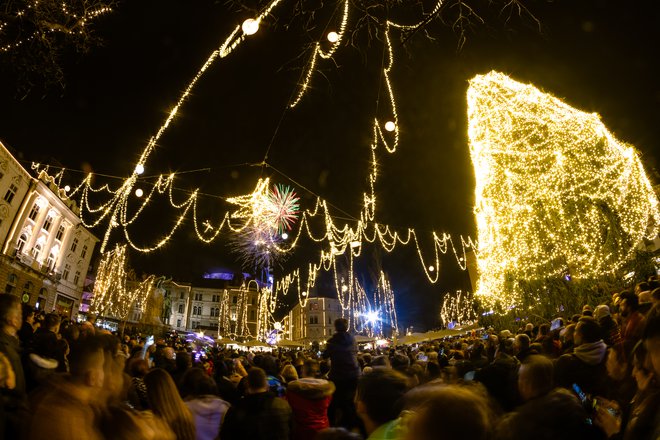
(259, 415)
(344, 373)
(585, 366)
(199, 393)
(309, 398)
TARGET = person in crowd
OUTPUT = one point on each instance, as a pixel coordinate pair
(165, 402)
(183, 363)
(379, 400)
(610, 332)
(567, 339)
(633, 321)
(14, 400)
(137, 390)
(199, 393)
(449, 411)
(88, 326)
(27, 329)
(309, 398)
(522, 348)
(557, 415)
(341, 349)
(338, 433)
(123, 423)
(535, 377)
(259, 415)
(66, 409)
(586, 365)
(621, 385)
(289, 374)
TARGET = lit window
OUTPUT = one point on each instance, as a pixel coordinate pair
(48, 223)
(34, 212)
(60, 233)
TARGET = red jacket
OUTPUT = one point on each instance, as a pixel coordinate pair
(309, 399)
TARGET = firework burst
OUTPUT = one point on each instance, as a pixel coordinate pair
(284, 207)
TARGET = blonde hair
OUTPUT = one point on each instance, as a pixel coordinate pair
(289, 373)
(166, 403)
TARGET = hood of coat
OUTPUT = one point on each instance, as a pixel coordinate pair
(207, 405)
(311, 388)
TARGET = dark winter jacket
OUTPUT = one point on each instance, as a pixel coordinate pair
(342, 351)
(584, 367)
(259, 416)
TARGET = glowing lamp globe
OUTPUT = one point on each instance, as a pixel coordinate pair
(67, 188)
(390, 126)
(285, 235)
(139, 169)
(344, 288)
(431, 268)
(139, 192)
(277, 325)
(333, 37)
(250, 26)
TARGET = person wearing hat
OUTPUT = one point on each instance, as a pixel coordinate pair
(587, 310)
(609, 328)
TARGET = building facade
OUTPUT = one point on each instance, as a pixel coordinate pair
(46, 251)
(215, 307)
(315, 321)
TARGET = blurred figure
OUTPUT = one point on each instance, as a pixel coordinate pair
(344, 373)
(535, 377)
(165, 402)
(137, 390)
(65, 411)
(14, 400)
(289, 373)
(557, 415)
(633, 321)
(610, 329)
(309, 399)
(337, 434)
(27, 329)
(379, 400)
(199, 393)
(259, 415)
(451, 412)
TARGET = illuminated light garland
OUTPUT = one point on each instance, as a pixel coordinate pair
(336, 239)
(556, 194)
(458, 308)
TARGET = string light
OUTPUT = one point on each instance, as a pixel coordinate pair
(555, 193)
(458, 308)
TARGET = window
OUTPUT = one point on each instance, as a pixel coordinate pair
(50, 261)
(60, 233)
(212, 312)
(36, 251)
(180, 308)
(48, 223)
(27, 290)
(194, 312)
(11, 283)
(313, 319)
(21, 243)
(74, 244)
(34, 212)
(181, 295)
(215, 312)
(234, 299)
(198, 297)
(83, 253)
(65, 272)
(252, 315)
(76, 277)
(11, 192)
(178, 323)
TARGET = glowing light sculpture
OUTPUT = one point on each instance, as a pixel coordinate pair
(556, 192)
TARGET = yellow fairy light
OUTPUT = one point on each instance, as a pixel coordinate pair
(555, 194)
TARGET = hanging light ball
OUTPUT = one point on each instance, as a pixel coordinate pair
(139, 192)
(139, 169)
(390, 126)
(333, 37)
(250, 26)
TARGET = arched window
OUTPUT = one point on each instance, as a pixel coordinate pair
(20, 244)
(36, 251)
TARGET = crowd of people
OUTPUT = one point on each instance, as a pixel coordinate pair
(594, 375)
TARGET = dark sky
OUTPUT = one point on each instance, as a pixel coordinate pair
(600, 56)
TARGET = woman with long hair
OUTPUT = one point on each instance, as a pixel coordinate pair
(166, 403)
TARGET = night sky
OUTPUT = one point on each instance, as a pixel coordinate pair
(599, 56)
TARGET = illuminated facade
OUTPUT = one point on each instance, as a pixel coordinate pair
(315, 321)
(215, 306)
(46, 251)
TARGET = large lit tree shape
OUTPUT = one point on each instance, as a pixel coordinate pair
(112, 294)
(556, 193)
